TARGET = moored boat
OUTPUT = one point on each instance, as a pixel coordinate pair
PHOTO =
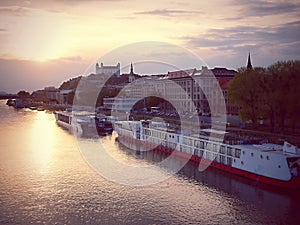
(83, 124)
(255, 159)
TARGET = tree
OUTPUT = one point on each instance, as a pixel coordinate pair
(285, 79)
(272, 93)
(245, 90)
(23, 94)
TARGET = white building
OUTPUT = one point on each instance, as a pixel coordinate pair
(108, 70)
(120, 104)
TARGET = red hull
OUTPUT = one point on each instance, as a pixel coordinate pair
(294, 183)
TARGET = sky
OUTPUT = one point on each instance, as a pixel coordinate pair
(44, 43)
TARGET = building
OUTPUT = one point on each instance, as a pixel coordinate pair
(51, 93)
(62, 96)
(185, 91)
(221, 72)
(231, 108)
(108, 70)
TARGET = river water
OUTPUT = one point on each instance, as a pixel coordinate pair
(45, 180)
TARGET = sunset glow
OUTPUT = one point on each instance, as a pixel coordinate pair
(220, 32)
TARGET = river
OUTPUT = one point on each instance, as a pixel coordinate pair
(45, 180)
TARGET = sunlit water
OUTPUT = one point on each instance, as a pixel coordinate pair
(44, 180)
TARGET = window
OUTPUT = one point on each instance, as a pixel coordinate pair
(252, 154)
(229, 151)
(222, 149)
(201, 144)
(222, 159)
(261, 156)
(201, 153)
(208, 146)
(215, 146)
(268, 158)
(242, 162)
(208, 155)
(237, 153)
(229, 161)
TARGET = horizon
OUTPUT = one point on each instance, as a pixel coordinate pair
(49, 42)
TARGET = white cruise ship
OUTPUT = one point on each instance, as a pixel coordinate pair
(255, 159)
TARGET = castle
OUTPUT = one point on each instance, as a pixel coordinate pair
(108, 70)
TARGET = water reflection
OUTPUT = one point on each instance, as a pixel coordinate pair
(227, 194)
(42, 139)
(44, 180)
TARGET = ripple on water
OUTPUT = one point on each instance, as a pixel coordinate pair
(48, 182)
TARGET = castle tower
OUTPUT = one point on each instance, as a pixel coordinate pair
(97, 68)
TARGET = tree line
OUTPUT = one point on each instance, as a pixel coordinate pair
(271, 93)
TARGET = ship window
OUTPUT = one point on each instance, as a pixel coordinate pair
(268, 158)
(201, 153)
(237, 153)
(243, 152)
(229, 161)
(208, 155)
(279, 166)
(242, 162)
(215, 147)
(222, 159)
(214, 155)
(252, 154)
(208, 146)
(229, 151)
(201, 144)
(222, 149)
(233, 160)
(261, 156)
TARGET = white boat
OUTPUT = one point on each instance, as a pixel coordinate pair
(84, 124)
(65, 119)
(255, 159)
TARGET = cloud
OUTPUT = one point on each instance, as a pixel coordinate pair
(167, 12)
(14, 10)
(266, 8)
(245, 36)
(267, 44)
(72, 58)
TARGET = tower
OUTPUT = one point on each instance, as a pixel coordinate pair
(131, 74)
(249, 65)
(97, 68)
(131, 69)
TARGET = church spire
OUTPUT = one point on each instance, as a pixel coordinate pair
(249, 65)
(131, 69)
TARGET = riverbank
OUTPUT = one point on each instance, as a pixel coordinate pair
(40, 106)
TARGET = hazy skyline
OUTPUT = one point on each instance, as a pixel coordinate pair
(47, 42)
